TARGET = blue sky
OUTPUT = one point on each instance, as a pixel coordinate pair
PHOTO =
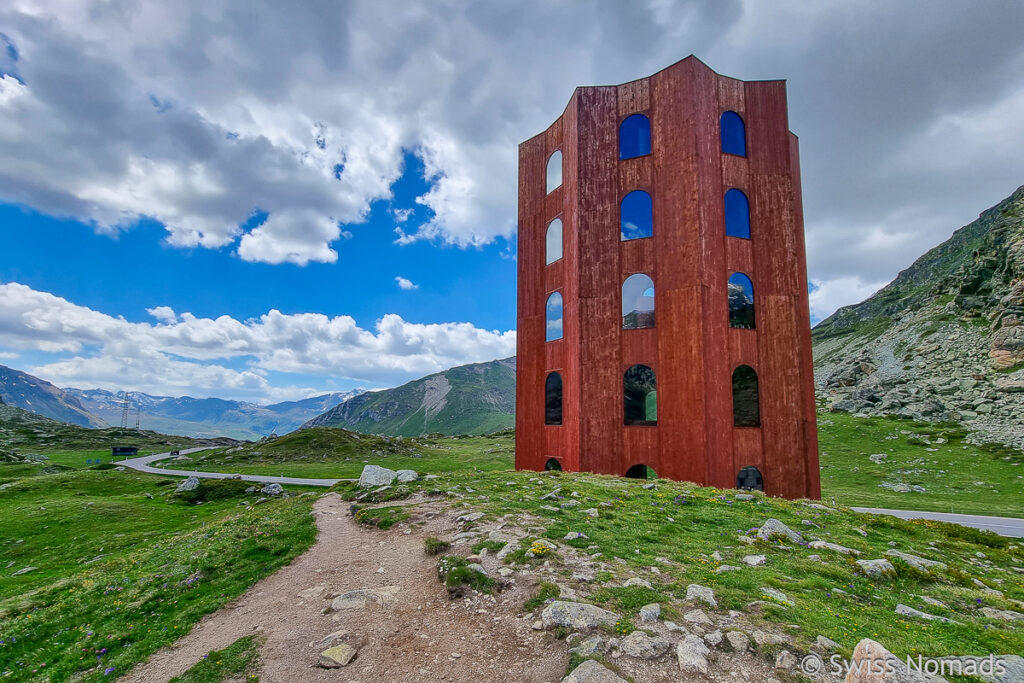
(218, 198)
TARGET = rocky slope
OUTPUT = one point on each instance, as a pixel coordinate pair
(468, 399)
(944, 340)
(22, 390)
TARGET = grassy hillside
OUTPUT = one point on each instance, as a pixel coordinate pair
(469, 399)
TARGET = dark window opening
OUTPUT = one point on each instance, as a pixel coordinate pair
(552, 464)
(637, 302)
(734, 134)
(737, 214)
(641, 472)
(553, 399)
(746, 411)
(741, 301)
(637, 215)
(640, 401)
(553, 320)
(750, 479)
(634, 137)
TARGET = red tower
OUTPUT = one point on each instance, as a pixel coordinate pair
(663, 319)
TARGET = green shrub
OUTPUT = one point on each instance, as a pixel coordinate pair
(455, 573)
(214, 489)
(435, 546)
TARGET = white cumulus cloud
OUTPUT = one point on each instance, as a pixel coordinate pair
(406, 284)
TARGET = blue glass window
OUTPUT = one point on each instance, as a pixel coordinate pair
(734, 134)
(741, 301)
(637, 302)
(554, 317)
(554, 171)
(634, 137)
(553, 241)
(637, 215)
(737, 214)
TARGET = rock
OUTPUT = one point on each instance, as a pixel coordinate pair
(755, 560)
(337, 656)
(235, 477)
(773, 528)
(747, 540)
(716, 556)
(824, 545)
(641, 646)
(726, 568)
(251, 489)
(905, 611)
(636, 581)
(579, 616)
(1002, 614)
(593, 645)
(148, 495)
(825, 644)
(469, 517)
(592, 671)
(876, 569)
(24, 570)
(692, 655)
(591, 512)
(714, 639)
(406, 476)
(375, 475)
(919, 563)
(569, 504)
(697, 616)
(702, 593)
(190, 484)
(650, 613)
(763, 638)
(272, 490)
(872, 663)
(575, 536)
(785, 660)
(878, 458)
(933, 602)
(737, 641)
(743, 496)
(987, 668)
(356, 599)
(777, 595)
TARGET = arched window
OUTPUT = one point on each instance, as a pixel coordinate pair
(637, 215)
(553, 399)
(637, 302)
(634, 137)
(734, 134)
(640, 397)
(554, 317)
(737, 214)
(552, 465)
(554, 241)
(746, 410)
(641, 472)
(750, 479)
(741, 301)
(554, 170)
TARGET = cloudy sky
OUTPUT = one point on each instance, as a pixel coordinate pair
(265, 200)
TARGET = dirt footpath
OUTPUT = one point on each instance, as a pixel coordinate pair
(418, 635)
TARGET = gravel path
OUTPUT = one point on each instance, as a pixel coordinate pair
(419, 635)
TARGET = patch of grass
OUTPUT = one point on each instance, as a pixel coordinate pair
(236, 662)
(382, 518)
(493, 546)
(545, 591)
(435, 546)
(627, 598)
(215, 489)
(119, 575)
(457, 576)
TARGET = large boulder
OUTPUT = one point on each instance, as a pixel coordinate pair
(578, 616)
(190, 484)
(272, 490)
(872, 663)
(692, 655)
(375, 475)
(337, 656)
(919, 563)
(697, 592)
(640, 645)
(406, 476)
(876, 569)
(773, 528)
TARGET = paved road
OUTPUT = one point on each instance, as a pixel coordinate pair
(142, 465)
(1004, 526)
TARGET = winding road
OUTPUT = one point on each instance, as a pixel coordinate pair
(1004, 526)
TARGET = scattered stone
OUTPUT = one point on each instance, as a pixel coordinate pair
(235, 477)
(814, 558)
(637, 581)
(641, 646)
(469, 517)
(361, 597)
(337, 656)
(375, 475)
(697, 616)
(1002, 614)
(579, 616)
(919, 563)
(824, 545)
(825, 644)
(650, 613)
(702, 593)
(692, 655)
(569, 504)
(591, 512)
(755, 560)
(148, 495)
(747, 540)
(872, 663)
(272, 490)
(673, 627)
(716, 556)
(737, 640)
(588, 647)
(905, 611)
(876, 569)
(649, 487)
(777, 595)
(763, 638)
(773, 528)
(24, 570)
(251, 489)
(190, 484)
(785, 660)
(406, 476)
(933, 602)
(743, 496)
(726, 568)
(574, 536)
(591, 671)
